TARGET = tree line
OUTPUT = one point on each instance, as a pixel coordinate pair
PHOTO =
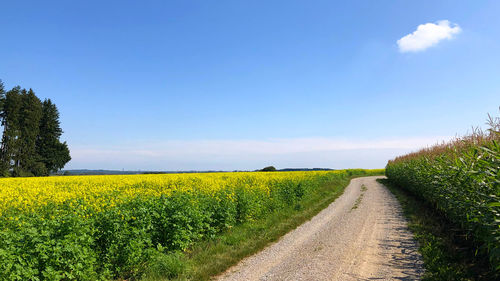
(31, 130)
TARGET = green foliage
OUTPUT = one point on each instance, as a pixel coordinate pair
(11, 115)
(31, 113)
(30, 141)
(66, 241)
(462, 181)
(51, 245)
(2, 95)
(54, 154)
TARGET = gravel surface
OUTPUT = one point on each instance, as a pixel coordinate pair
(361, 236)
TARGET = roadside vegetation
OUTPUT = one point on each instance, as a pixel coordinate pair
(156, 227)
(460, 181)
(445, 249)
(214, 256)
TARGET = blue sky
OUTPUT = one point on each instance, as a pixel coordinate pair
(181, 85)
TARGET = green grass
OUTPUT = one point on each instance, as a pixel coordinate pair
(446, 253)
(358, 201)
(209, 258)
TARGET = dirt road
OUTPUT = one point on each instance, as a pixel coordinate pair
(360, 236)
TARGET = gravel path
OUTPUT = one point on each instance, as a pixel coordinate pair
(361, 236)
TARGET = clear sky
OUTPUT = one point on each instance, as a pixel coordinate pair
(181, 85)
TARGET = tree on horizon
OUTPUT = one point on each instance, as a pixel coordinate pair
(31, 131)
(53, 153)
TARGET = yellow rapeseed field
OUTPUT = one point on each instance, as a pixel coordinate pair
(105, 227)
(109, 190)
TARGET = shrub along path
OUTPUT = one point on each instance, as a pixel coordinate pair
(362, 235)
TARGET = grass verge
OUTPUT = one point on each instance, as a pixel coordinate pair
(446, 253)
(209, 258)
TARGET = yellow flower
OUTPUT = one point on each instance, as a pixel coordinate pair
(97, 193)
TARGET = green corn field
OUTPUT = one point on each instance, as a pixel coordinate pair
(461, 180)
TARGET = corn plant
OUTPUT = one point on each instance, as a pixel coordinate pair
(461, 179)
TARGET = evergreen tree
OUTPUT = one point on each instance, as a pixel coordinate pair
(10, 115)
(31, 114)
(2, 95)
(31, 131)
(53, 153)
(3, 165)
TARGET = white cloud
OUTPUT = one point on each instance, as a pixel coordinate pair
(428, 35)
(247, 154)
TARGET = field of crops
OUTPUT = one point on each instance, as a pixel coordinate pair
(107, 227)
(461, 179)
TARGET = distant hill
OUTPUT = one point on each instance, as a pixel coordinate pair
(118, 172)
(305, 169)
(78, 172)
(99, 172)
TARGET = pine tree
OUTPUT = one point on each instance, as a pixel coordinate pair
(11, 115)
(2, 95)
(3, 164)
(31, 114)
(53, 153)
(30, 141)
